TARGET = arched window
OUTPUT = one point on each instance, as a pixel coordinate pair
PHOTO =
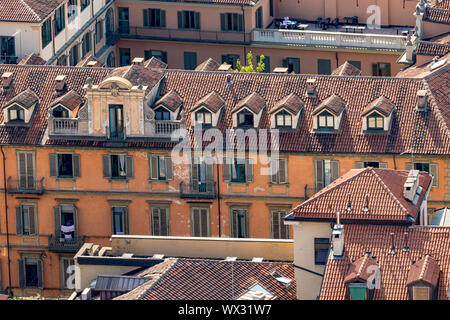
(326, 120)
(16, 113)
(60, 112)
(204, 117)
(283, 119)
(162, 114)
(245, 118)
(375, 122)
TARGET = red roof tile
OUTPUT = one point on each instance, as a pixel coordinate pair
(359, 270)
(90, 61)
(437, 15)
(26, 99)
(71, 100)
(32, 59)
(334, 103)
(291, 102)
(171, 100)
(253, 101)
(382, 105)
(208, 65)
(27, 10)
(212, 101)
(155, 63)
(346, 69)
(426, 270)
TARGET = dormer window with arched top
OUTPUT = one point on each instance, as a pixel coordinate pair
(377, 116)
(328, 114)
(162, 113)
(203, 117)
(325, 120)
(248, 111)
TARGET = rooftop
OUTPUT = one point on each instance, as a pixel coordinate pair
(27, 10)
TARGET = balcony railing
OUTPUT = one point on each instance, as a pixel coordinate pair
(327, 38)
(8, 59)
(65, 126)
(187, 34)
(57, 244)
(202, 190)
(25, 186)
(165, 128)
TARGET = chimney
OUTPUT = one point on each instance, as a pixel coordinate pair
(406, 247)
(224, 67)
(92, 63)
(409, 50)
(60, 84)
(280, 70)
(86, 294)
(311, 89)
(137, 62)
(392, 251)
(7, 79)
(411, 184)
(422, 100)
(229, 81)
(338, 238)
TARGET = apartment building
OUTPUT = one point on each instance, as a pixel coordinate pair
(321, 35)
(61, 32)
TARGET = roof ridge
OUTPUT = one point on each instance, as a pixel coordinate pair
(435, 107)
(363, 263)
(424, 266)
(31, 9)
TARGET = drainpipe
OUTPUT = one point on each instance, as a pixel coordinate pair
(5, 187)
(218, 197)
(243, 26)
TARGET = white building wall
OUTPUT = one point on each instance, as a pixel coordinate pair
(27, 37)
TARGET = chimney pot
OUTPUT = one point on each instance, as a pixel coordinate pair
(224, 67)
(282, 70)
(137, 61)
(422, 100)
(411, 185)
(60, 84)
(229, 81)
(7, 79)
(311, 89)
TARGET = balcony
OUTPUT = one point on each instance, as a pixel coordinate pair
(25, 186)
(165, 128)
(57, 244)
(231, 37)
(204, 190)
(4, 59)
(63, 126)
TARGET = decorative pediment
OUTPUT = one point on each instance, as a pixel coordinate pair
(115, 83)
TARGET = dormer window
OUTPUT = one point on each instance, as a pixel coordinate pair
(16, 113)
(116, 128)
(326, 120)
(60, 112)
(375, 122)
(285, 113)
(245, 118)
(358, 291)
(377, 116)
(162, 114)
(203, 117)
(283, 119)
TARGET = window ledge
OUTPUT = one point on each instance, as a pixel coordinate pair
(278, 184)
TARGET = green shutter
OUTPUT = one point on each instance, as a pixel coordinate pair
(359, 165)
(164, 56)
(75, 221)
(375, 69)
(222, 24)
(76, 165)
(22, 273)
(197, 20)
(146, 16)
(283, 168)
(204, 222)
(163, 18)
(334, 169)
(324, 66)
(32, 220)
(156, 231)
(57, 218)
(194, 176)
(358, 293)
(180, 19)
(40, 274)
(318, 174)
(106, 166)
(240, 22)
(248, 170)
(129, 166)
(126, 221)
(53, 164)
(153, 167)
(195, 223)
(226, 171)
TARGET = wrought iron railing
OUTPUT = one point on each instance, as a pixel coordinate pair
(199, 190)
(25, 185)
(58, 244)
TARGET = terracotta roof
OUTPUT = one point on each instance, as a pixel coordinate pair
(437, 15)
(208, 279)
(90, 58)
(385, 201)
(253, 101)
(171, 100)
(432, 48)
(394, 268)
(382, 105)
(208, 65)
(441, 4)
(212, 101)
(71, 100)
(32, 59)
(27, 10)
(291, 102)
(149, 76)
(333, 103)
(155, 63)
(439, 86)
(358, 270)
(424, 71)
(426, 270)
(346, 69)
(26, 99)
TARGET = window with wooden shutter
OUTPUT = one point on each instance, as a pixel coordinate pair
(129, 166)
(66, 272)
(359, 165)
(273, 170)
(57, 219)
(249, 170)
(226, 171)
(421, 293)
(153, 167)
(318, 174)
(239, 223)
(200, 222)
(19, 230)
(160, 221)
(279, 229)
(146, 17)
(53, 164)
(169, 167)
(334, 170)
(106, 166)
(76, 165)
(26, 220)
(434, 173)
(21, 263)
(26, 169)
(119, 220)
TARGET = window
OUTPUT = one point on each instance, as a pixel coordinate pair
(160, 167)
(159, 221)
(124, 57)
(98, 31)
(119, 219)
(325, 120)
(162, 114)
(323, 66)
(266, 62)
(230, 59)
(245, 118)
(204, 117)
(279, 171)
(358, 291)
(381, 69)
(16, 113)
(64, 165)
(279, 229)
(375, 122)
(30, 273)
(356, 64)
(201, 174)
(422, 166)
(116, 129)
(60, 112)
(158, 54)
(67, 271)
(293, 65)
(321, 247)
(259, 17)
(231, 22)
(325, 171)
(46, 31)
(26, 170)
(72, 9)
(431, 168)
(371, 164)
(74, 55)
(239, 223)
(188, 20)
(190, 60)
(84, 4)
(26, 220)
(239, 170)
(283, 119)
(117, 166)
(65, 222)
(62, 60)
(421, 293)
(123, 20)
(271, 8)
(200, 222)
(7, 50)
(154, 18)
(86, 43)
(60, 21)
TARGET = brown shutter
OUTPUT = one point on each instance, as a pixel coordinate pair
(195, 223)
(53, 164)
(194, 176)
(209, 172)
(234, 224)
(204, 222)
(22, 273)
(383, 165)
(248, 170)
(226, 171)
(126, 221)
(408, 166)
(40, 274)
(30, 171)
(359, 165)
(76, 165)
(273, 171)
(275, 225)
(156, 230)
(31, 219)
(106, 166)
(22, 170)
(283, 171)
(163, 216)
(75, 221)
(334, 169)
(129, 166)
(19, 230)
(153, 167)
(57, 217)
(169, 167)
(284, 229)
(434, 173)
(318, 174)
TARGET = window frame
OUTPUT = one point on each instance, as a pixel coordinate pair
(23, 262)
(167, 167)
(327, 115)
(125, 220)
(276, 178)
(281, 225)
(98, 31)
(202, 112)
(60, 22)
(64, 275)
(246, 114)
(376, 116)
(46, 32)
(32, 222)
(319, 245)
(19, 111)
(284, 115)
(246, 221)
(208, 221)
(161, 110)
(188, 20)
(84, 4)
(167, 218)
